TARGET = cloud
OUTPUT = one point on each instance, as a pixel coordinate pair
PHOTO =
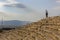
(18, 5)
(58, 1)
(4, 2)
(30, 14)
(11, 1)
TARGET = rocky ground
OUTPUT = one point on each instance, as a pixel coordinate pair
(45, 29)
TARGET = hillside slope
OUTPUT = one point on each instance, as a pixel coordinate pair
(45, 29)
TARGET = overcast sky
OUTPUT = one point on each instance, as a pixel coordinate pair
(28, 10)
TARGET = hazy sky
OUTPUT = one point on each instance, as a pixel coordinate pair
(28, 10)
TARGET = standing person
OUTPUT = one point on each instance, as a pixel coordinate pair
(46, 16)
(46, 13)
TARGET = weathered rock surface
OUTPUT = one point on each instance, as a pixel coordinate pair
(45, 29)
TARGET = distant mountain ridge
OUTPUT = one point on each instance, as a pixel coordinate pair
(14, 23)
